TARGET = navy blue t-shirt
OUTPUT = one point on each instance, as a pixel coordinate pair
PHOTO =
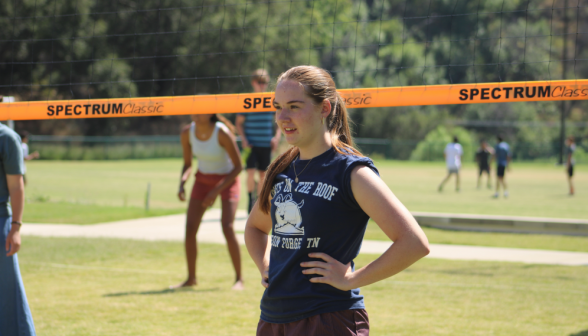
(317, 214)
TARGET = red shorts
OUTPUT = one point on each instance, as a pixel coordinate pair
(353, 322)
(206, 182)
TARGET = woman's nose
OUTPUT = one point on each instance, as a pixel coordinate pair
(281, 115)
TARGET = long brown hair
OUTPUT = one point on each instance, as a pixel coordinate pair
(318, 85)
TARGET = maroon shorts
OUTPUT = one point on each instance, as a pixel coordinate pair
(206, 182)
(353, 322)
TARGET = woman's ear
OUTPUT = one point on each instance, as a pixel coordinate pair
(326, 108)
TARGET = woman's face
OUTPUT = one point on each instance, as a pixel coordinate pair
(297, 115)
(201, 118)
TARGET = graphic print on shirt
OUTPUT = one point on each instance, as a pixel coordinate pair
(288, 216)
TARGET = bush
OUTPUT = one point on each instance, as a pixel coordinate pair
(432, 147)
(580, 155)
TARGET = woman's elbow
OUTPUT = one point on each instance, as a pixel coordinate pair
(418, 244)
(426, 249)
(422, 247)
(237, 170)
(237, 164)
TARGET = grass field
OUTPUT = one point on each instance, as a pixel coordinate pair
(118, 287)
(78, 213)
(537, 189)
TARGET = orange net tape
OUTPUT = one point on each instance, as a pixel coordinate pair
(260, 102)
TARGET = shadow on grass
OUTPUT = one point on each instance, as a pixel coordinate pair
(163, 291)
(581, 333)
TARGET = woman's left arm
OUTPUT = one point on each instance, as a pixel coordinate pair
(228, 142)
(378, 202)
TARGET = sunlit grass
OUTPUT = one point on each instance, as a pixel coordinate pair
(119, 287)
(536, 189)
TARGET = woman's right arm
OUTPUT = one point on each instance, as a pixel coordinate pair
(187, 154)
(257, 241)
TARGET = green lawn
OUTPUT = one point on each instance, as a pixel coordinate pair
(114, 183)
(87, 192)
(536, 189)
(118, 287)
(78, 213)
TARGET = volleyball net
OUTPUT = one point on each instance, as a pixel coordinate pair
(80, 59)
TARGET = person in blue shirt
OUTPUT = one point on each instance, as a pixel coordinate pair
(316, 201)
(15, 314)
(256, 130)
(503, 156)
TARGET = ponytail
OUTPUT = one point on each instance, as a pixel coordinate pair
(318, 85)
(338, 125)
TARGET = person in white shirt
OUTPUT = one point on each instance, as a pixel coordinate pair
(452, 153)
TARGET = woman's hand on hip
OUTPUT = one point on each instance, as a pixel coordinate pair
(333, 272)
(265, 278)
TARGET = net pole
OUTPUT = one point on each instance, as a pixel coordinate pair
(562, 131)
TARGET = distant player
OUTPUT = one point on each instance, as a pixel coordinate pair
(503, 156)
(483, 156)
(24, 135)
(570, 149)
(209, 137)
(256, 131)
(452, 153)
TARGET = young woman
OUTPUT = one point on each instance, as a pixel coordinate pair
(316, 200)
(219, 165)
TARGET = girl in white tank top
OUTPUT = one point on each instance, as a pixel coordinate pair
(219, 165)
(212, 158)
